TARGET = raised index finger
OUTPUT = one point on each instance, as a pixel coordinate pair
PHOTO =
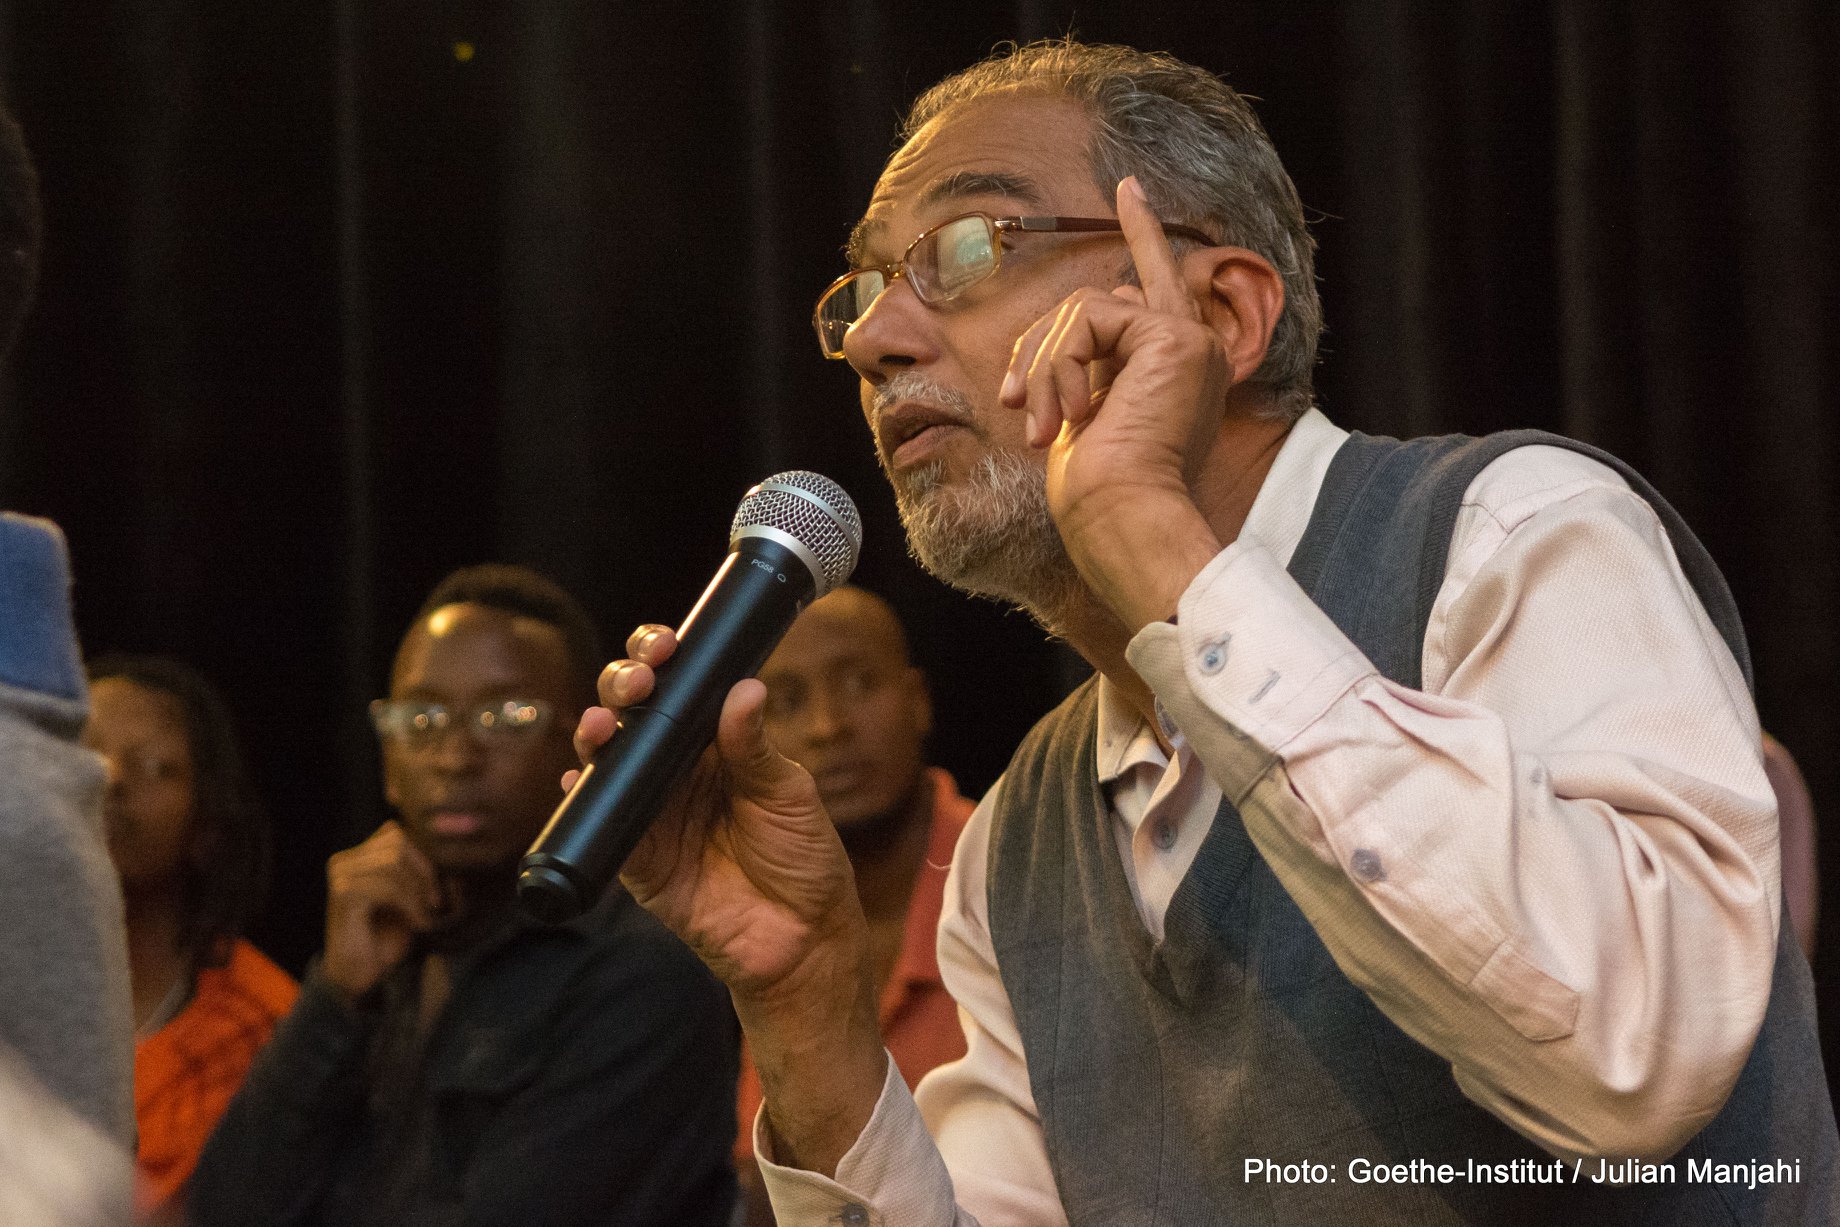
(1155, 259)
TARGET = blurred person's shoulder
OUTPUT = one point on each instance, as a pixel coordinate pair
(56, 1169)
(247, 995)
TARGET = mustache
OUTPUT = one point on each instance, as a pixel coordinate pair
(914, 386)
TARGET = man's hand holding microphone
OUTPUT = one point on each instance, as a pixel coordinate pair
(728, 843)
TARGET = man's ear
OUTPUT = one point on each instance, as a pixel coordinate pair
(1241, 297)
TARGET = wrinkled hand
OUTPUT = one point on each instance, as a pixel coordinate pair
(743, 864)
(379, 896)
(1126, 389)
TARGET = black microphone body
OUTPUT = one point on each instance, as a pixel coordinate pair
(761, 587)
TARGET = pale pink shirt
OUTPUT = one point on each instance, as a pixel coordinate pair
(1556, 865)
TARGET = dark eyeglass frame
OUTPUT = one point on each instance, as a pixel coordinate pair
(387, 719)
(1028, 225)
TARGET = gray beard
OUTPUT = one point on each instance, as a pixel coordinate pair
(991, 536)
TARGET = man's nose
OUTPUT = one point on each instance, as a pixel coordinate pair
(896, 332)
(825, 719)
(456, 748)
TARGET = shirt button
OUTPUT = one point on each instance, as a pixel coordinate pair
(1214, 655)
(1366, 865)
(853, 1215)
(1163, 835)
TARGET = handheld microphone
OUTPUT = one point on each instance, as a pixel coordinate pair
(795, 537)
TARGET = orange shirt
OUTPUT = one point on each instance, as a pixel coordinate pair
(186, 1072)
(919, 1018)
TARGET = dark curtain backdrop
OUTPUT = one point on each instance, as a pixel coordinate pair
(344, 293)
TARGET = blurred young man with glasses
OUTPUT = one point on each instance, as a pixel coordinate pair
(449, 1061)
(1410, 860)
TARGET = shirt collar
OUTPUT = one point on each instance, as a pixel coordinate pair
(1125, 741)
(1280, 513)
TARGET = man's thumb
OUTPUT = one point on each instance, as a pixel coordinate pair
(756, 769)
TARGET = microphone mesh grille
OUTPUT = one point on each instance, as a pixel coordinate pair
(813, 510)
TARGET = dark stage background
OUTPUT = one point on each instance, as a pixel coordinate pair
(343, 294)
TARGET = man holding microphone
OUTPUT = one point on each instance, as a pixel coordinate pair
(1417, 811)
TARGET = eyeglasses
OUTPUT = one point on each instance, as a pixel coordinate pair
(943, 263)
(418, 725)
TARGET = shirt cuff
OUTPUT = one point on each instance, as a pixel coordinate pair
(1251, 649)
(892, 1175)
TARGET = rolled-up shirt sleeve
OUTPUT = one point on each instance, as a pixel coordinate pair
(1556, 865)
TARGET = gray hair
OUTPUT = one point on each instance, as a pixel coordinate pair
(1200, 153)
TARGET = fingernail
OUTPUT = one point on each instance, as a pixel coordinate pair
(648, 640)
(1012, 384)
(1130, 184)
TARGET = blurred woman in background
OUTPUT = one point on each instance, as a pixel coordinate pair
(191, 844)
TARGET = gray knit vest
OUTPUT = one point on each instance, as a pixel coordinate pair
(1159, 1069)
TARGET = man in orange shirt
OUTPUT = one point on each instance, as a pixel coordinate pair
(845, 701)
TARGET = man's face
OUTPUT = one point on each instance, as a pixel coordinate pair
(843, 702)
(473, 801)
(969, 488)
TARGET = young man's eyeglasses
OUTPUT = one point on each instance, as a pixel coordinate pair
(943, 263)
(418, 725)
